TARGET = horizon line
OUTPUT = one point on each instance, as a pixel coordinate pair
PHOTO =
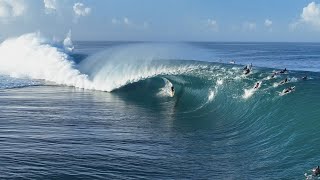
(193, 41)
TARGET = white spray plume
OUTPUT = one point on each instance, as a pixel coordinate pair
(67, 43)
(31, 56)
(34, 57)
(113, 68)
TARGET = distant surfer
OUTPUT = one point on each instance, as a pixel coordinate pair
(288, 90)
(246, 71)
(257, 85)
(273, 75)
(172, 91)
(283, 71)
(316, 171)
(304, 77)
(247, 67)
(284, 81)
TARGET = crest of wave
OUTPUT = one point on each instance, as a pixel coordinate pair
(119, 66)
(32, 56)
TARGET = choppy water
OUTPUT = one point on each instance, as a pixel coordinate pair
(59, 120)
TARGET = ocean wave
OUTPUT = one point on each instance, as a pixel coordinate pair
(31, 56)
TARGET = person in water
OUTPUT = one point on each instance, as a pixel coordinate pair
(246, 71)
(304, 77)
(284, 81)
(283, 71)
(247, 67)
(316, 171)
(172, 89)
(257, 85)
(289, 89)
(273, 75)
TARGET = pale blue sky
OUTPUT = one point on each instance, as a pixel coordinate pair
(164, 20)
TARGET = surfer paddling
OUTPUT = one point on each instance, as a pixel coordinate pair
(288, 90)
(284, 81)
(279, 72)
(273, 75)
(283, 71)
(257, 85)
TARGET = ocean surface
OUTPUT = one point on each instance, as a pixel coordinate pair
(104, 110)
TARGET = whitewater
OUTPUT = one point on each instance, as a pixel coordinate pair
(104, 110)
(38, 58)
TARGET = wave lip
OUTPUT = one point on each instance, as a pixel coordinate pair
(32, 56)
(116, 67)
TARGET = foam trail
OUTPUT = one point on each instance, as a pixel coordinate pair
(211, 95)
(33, 57)
(249, 92)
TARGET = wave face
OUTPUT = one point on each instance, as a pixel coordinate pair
(254, 125)
(255, 129)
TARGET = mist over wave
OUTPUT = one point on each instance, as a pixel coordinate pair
(35, 57)
(118, 66)
(32, 56)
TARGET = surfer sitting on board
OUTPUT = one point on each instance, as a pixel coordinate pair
(246, 67)
(283, 71)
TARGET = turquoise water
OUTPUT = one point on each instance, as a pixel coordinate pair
(216, 126)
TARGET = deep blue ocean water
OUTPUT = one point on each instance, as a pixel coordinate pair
(59, 120)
